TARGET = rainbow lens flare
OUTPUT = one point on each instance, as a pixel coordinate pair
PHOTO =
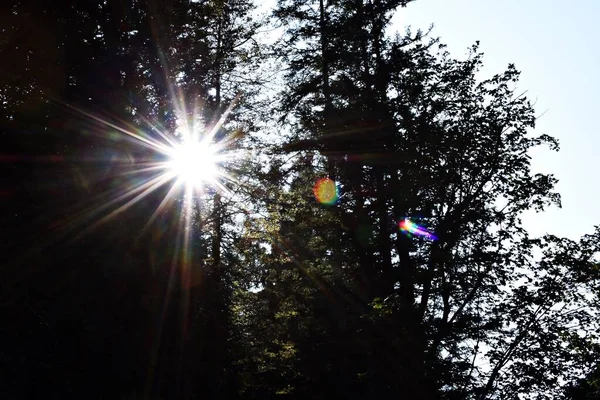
(326, 191)
(410, 228)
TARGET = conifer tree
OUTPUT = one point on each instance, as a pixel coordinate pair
(416, 136)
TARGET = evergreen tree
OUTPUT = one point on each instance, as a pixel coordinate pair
(299, 275)
(126, 66)
(416, 135)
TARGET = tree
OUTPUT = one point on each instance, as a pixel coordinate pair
(586, 388)
(122, 64)
(416, 135)
(278, 291)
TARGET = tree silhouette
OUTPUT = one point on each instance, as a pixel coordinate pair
(301, 275)
(416, 135)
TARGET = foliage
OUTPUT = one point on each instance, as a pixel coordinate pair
(281, 295)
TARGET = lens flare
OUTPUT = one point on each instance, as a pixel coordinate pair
(192, 162)
(326, 191)
(410, 228)
(178, 170)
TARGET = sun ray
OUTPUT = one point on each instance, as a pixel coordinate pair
(168, 199)
(211, 134)
(145, 190)
(151, 144)
(192, 159)
(153, 167)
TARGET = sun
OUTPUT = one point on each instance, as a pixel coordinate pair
(194, 163)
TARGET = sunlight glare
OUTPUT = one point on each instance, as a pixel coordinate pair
(195, 163)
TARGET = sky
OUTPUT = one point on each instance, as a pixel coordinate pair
(553, 43)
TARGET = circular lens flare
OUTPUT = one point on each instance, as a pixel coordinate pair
(326, 191)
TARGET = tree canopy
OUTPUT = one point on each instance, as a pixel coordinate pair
(362, 238)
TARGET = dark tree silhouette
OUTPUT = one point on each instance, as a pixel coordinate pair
(278, 294)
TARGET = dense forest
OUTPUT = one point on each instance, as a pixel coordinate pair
(350, 229)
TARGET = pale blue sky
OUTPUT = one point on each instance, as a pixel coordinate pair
(555, 45)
